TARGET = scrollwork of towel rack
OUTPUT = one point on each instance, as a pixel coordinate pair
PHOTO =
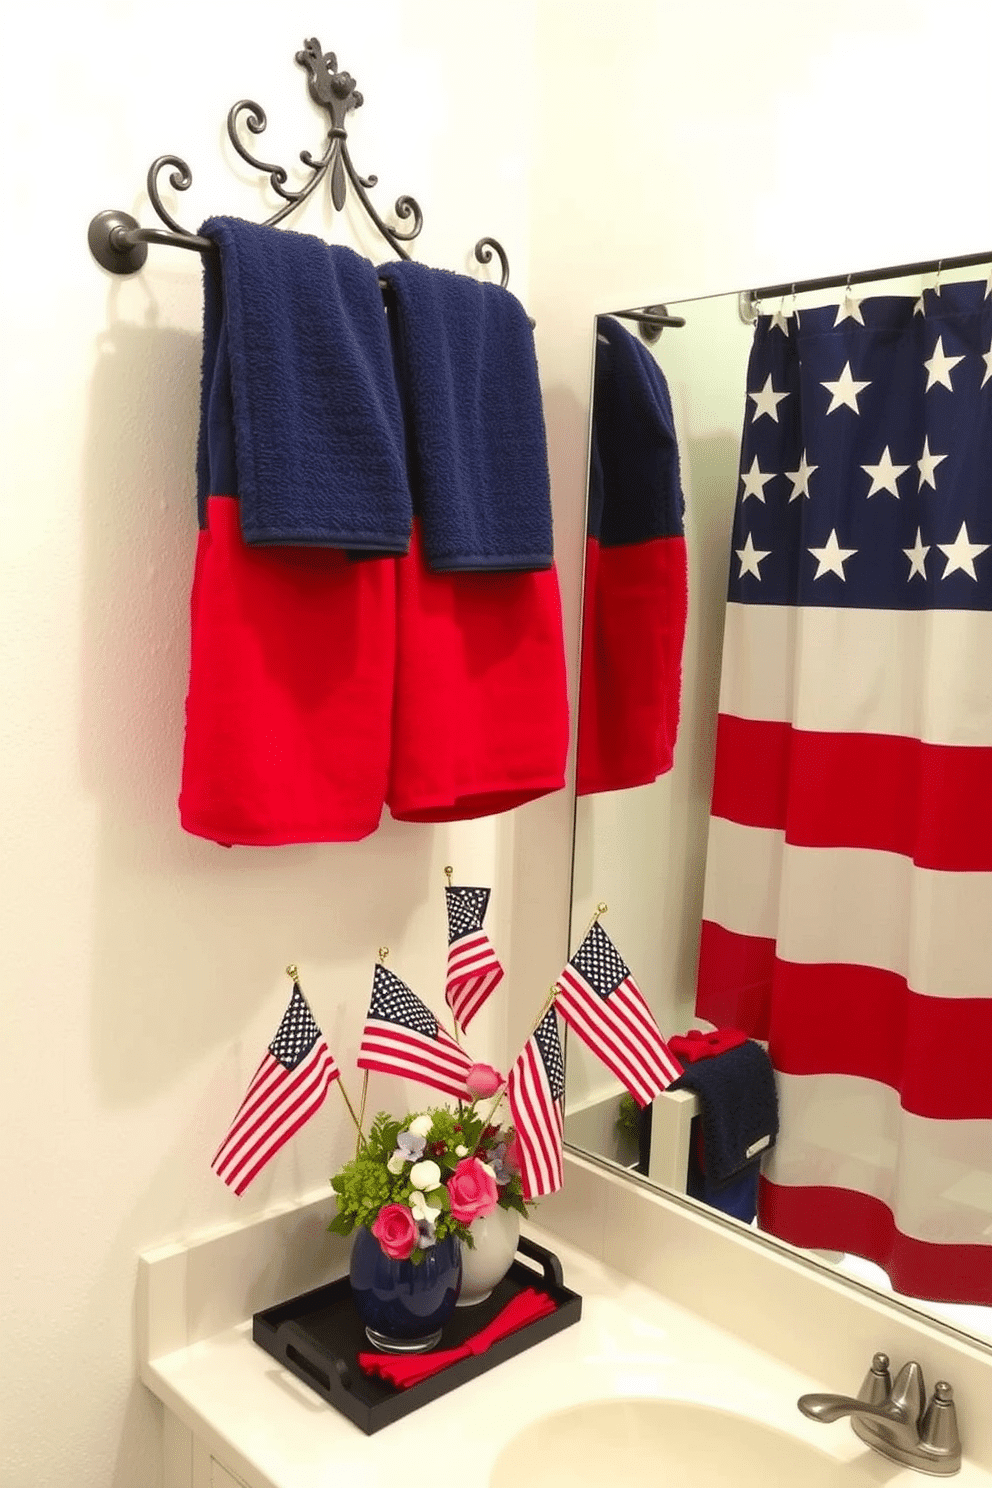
(120, 244)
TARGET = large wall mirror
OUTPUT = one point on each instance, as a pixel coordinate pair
(863, 611)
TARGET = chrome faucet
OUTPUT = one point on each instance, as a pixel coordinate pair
(895, 1419)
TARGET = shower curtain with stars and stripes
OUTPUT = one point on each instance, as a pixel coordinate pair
(848, 900)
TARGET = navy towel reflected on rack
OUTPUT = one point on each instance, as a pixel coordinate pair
(476, 439)
(300, 416)
(739, 1123)
(635, 482)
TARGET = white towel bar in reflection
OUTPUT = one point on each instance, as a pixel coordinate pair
(671, 1119)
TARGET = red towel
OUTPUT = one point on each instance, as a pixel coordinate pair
(634, 611)
(695, 1045)
(406, 1370)
(317, 682)
(290, 691)
(633, 628)
(480, 714)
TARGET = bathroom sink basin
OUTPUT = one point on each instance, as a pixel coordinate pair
(664, 1442)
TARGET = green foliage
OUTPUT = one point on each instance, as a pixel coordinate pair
(627, 1117)
(508, 1199)
(367, 1183)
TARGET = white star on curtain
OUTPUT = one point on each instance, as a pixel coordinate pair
(844, 393)
(961, 554)
(831, 557)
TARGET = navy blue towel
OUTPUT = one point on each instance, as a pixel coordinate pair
(476, 442)
(739, 1114)
(635, 485)
(299, 414)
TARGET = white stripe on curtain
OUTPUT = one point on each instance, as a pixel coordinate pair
(878, 691)
(845, 1132)
(757, 884)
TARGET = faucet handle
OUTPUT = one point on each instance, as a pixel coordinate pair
(877, 1384)
(939, 1427)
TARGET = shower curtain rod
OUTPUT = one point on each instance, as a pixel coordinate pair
(867, 276)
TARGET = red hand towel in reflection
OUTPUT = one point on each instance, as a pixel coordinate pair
(695, 1045)
(405, 1371)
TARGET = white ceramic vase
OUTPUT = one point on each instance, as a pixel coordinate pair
(495, 1237)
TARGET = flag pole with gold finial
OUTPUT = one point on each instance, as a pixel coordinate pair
(500, 1095)
(601, 909)
(454, 1021)
(383, 953)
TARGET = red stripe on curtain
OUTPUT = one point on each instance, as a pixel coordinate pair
(751, 771)
(734, 981)
(840, 1219)
(862, 1021)
(928, 802)
(856, 1020)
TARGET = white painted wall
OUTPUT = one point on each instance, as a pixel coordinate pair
(671, 150)
(143, 969)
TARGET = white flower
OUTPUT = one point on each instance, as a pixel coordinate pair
(461, 1151)
(397, 1162)
(488, 1167)
(420, 1209)
(421, 1126)
(425, 1175)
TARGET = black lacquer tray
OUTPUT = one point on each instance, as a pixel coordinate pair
(318, 1337)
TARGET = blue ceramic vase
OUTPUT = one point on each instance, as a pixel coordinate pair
(404, 1306)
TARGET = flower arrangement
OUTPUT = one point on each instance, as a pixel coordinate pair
(426, 1177)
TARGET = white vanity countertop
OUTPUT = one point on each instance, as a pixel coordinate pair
(275, 1432)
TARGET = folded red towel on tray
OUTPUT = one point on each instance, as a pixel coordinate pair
(406, 1370)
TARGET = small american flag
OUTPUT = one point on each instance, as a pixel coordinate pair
(403, 1037)
(536, 1090)
(602, 1004)
(473, 966)
(289, 1085)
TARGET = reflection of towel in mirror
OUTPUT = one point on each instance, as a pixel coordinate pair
(695, 1045)
(634, 612)
(300, 416)
(475, 424)
(739, 1123)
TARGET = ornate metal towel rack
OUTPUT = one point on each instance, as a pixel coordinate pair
(120, 244)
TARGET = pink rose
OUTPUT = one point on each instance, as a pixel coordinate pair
(396, 1231)
(482, 1081)
(472, 1190)
(511, 1156)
